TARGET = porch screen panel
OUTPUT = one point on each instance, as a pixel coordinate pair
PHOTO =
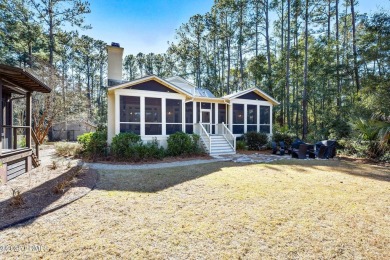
(238, 118)
(189, 117)
(197, 112)
(174, 116)
(251, 118)
(153, 116)
(222, 114)
(130, 114)
(265, 119)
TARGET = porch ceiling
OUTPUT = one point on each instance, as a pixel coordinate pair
(18, 80)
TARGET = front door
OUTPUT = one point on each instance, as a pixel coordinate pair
(205, 119)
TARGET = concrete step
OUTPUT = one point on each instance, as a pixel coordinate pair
(225, 153)
(222, 150)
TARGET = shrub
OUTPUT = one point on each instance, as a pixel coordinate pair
(129, 147)
(125, 145)
(181, 143)
(67, 148)
(153, 150)
(240, 145)
(94, 144)
(255, 140)
(287, 138)
(339, 129)
(17, 198)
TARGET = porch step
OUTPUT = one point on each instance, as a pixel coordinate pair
(220, 146)
(35, 161)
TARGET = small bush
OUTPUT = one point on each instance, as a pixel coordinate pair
(17, 199)
(366, 149)
(255, 140)
(125, 145)
(67, 148)
(129, 147)
(181, 143)
(54, 165)
(94, 144)
(240, 145)
(287, 138)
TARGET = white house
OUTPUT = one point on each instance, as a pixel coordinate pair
(153, 107)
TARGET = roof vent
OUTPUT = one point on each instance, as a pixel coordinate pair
(115, 44)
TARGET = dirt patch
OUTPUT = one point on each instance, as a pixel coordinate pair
(42, 191)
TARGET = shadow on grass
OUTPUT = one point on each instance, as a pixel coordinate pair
(378, 173)
(42, 199)
(154, 180)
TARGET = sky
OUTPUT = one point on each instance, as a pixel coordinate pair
(147, 25)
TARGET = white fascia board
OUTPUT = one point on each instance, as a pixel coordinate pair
(149, 78)
(260, 92)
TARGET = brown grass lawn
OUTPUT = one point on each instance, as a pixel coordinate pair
(287, 209)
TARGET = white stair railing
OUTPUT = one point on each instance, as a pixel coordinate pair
(223, 130)
(204, 136)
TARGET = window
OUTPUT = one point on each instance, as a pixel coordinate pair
(265, 119)
(189, 117)
(251, 118)
(238, 118)
(130, 114)
(153, 116)
(173, 116)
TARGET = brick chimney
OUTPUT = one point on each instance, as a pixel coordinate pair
(115, 54)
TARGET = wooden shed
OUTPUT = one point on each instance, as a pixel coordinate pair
(19, 147)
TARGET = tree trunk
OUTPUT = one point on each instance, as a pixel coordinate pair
(338, 59)
(282, 28)
(288, 67)
(51, 33)
(355, 65)
(304, 96)
(269, 73)
(240, 43)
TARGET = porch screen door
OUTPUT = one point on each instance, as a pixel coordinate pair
(205, 119)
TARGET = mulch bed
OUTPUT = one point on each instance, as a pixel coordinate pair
(45, 195)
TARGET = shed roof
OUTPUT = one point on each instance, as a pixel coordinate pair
(19, 80)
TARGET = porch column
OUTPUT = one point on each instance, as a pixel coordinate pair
(270, 120)
(28, 119)
(195, 119)
(1, 117)
(230, 116)
(245, 118)
(8, 121)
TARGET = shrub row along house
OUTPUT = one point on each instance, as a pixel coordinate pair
(153, 107)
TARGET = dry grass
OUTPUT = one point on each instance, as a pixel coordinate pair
(288, 209)
(67, 148)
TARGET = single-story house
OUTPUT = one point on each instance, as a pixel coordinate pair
(153, 107)
(19, 147)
